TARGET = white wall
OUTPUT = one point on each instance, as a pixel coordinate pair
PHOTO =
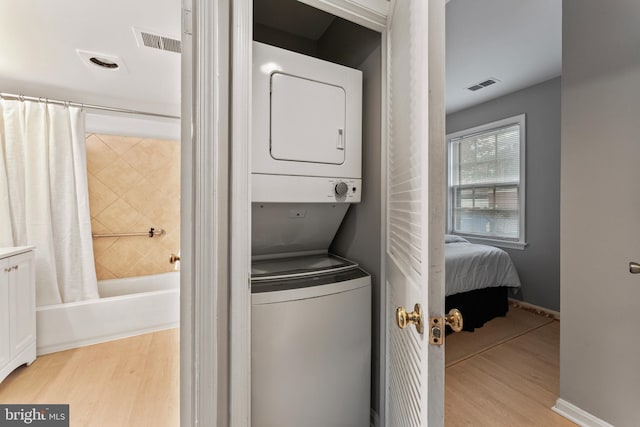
(132, 125)
(36, 89)
(600, 209)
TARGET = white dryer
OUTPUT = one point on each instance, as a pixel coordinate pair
(311, 343)
(307, 128)
(307, 115)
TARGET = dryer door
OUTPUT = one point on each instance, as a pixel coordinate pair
(308, 120)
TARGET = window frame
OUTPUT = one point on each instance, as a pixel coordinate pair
(521, 243)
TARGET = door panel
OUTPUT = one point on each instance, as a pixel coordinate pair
(406, 197)
(406, 359)
(415, 209)
(23, 308)
(5, 337)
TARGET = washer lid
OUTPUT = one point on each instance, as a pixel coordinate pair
(300, 287)
(300, 266)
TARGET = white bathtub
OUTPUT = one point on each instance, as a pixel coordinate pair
(127, 307)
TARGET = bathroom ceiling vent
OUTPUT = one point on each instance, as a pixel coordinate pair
(488, 82)
(156, 41)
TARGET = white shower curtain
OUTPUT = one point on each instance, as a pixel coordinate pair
(44, 198)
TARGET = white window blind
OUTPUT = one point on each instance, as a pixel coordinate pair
(486, 181)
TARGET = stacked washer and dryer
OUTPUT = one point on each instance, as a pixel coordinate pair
(311, 310)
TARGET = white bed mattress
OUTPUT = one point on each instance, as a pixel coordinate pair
(469, 266)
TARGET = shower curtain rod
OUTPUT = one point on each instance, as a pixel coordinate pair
(83, 106)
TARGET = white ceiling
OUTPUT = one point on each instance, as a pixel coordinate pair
(519, 42)
(38, 52)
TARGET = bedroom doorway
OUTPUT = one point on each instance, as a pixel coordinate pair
(503, 192)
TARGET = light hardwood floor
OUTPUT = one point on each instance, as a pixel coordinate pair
(129, 382)
(512, 384)
(135, 382)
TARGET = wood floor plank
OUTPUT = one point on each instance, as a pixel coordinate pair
(501, 329)
(129, 382)
(512, 384)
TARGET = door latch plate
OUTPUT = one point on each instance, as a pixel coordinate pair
(436, 332)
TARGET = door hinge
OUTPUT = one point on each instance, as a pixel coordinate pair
(187, 22)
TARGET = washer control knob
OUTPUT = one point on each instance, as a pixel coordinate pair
(341, 189)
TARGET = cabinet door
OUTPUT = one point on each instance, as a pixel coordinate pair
(22, 297)
(5, 347)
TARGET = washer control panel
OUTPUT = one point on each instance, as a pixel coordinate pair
(344, 190)
(304, 189)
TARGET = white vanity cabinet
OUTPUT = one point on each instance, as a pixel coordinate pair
(17, 309)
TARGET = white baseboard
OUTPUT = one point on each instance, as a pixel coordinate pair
(535, 308)
(577, 415)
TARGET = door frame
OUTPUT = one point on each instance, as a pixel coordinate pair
(373, 17)
(437, 170)
(204, 218)
(216, 192)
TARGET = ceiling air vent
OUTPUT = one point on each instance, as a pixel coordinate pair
(156, 41)
(488, 82)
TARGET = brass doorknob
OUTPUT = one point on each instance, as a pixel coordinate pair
(403, 318)
(173, 258)
(454, 319)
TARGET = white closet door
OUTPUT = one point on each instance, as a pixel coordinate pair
(415, 210)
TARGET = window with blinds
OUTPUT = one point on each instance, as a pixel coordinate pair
(486, 181)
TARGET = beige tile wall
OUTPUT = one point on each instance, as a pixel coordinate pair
(134, 184)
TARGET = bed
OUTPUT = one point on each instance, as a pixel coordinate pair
(478, 279)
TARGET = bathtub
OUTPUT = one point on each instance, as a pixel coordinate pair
(127, 307)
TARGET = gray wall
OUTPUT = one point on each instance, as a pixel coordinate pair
(279, 38)
(343, 42)
(347, 44)
(359, 235)
(600, 208)
(539, 263)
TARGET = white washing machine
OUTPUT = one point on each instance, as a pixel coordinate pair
(310, 342)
